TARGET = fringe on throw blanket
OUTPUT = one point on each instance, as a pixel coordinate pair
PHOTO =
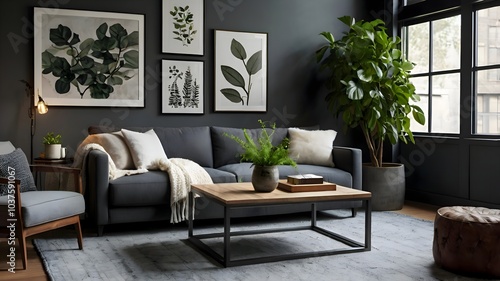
(182, 173)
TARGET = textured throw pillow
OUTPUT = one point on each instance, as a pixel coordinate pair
(312, 147)
(115, 145)
(146, 148)
(17, 163)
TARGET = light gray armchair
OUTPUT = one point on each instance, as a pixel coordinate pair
(26, 211)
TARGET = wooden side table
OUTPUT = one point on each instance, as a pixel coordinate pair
(53, 162)
(57, 181)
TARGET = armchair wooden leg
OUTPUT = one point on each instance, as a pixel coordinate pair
(78, 229)
(24, 253)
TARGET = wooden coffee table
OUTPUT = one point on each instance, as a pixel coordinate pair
(242, 195)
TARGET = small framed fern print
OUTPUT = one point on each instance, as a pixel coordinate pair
(240, 71)
(183, 26)
(182, 87)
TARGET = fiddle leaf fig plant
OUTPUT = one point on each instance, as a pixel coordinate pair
(369, 84)
(94, 64)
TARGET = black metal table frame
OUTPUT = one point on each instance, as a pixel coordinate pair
(225, 260)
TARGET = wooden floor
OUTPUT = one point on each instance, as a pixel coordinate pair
(36, 272)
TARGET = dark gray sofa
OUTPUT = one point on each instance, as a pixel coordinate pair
(146, 197)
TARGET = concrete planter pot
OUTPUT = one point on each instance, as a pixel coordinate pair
(265, 178)
(53, 151)
(387, 185)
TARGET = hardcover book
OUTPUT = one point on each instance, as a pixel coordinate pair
(305, 179)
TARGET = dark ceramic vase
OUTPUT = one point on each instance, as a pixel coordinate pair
(265, 178)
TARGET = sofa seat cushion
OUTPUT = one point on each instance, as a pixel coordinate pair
(40, 207)
(243, 172)
(219, 176)
(148, 189)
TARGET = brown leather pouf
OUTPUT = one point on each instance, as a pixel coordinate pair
(467, 240)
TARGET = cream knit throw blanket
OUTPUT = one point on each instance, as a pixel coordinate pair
(182, 173)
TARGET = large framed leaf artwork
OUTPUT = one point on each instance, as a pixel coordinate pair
(86, 58)
(240, 71)
(182, 83)
(183, 23)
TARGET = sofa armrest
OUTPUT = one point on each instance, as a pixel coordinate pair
(350, 160)
(97, 184)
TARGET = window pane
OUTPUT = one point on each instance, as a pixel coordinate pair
(446, 103)
(446, 44)
(488, 102)
(418, 47)
(422, 89)
(488, 37)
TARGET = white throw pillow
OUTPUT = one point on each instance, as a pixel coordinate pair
(146, 148)
(312, 147)
(115, 146)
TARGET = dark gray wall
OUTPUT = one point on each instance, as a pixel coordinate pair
(295, 94)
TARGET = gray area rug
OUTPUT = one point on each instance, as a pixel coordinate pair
(401, 250)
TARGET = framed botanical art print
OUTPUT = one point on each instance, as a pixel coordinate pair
(85, 58)
(240, 71)
(183, 23)
(182, 87)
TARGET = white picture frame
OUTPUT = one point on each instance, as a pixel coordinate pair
(70, 72)
(182, 87)
(240, 71)
(183, 26)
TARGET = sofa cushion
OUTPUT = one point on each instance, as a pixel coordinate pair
(16, 164)
(45, 206)
(219, 176)
(312, 147)
(115, 145)
(227, 151)
(193, 143)
(148, 189)
(146, 148)
(6, 147)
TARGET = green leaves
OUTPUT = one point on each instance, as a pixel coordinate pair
(183, 21)
(260, 149)
(94, 64)
(238, 50)
(232, 95)
(233, 76)
(253, 65)
(369, 84)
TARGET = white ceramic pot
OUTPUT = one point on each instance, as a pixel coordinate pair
(53, 151)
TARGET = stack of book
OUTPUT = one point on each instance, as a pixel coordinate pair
(305, 182)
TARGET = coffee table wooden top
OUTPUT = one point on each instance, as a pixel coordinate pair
(242, 193)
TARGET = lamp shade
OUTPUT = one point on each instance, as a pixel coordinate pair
(42, 106)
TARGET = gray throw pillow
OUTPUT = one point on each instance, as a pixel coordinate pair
(17, 163)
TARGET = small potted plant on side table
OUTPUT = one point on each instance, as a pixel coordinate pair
(52, 144)
(265, 157)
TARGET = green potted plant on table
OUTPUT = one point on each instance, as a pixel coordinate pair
(370, 88)
(264, 156)
(52, 144)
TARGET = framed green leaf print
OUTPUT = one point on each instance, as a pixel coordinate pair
(240, 71)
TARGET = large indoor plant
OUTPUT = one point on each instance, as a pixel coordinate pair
(265, 157)
(370, 87)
